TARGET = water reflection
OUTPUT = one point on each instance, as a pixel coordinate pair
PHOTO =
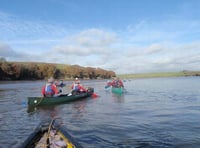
(79, 108)
(33, 109)
(46, 112)
(118, 98)
(154, 113)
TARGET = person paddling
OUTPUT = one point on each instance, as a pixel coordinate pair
(115, 83)
(50, 89)
(77, 87)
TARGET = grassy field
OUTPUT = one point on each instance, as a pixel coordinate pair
(162, 74)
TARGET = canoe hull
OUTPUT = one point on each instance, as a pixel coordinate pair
(42, 101)
(43, 128)
(118, 90)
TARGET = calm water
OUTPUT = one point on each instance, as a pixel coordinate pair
(158, 112)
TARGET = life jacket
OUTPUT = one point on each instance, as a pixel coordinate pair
(116, 83)
(48, 89)
(75, 87)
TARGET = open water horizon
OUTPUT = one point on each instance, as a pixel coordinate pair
(154, 112)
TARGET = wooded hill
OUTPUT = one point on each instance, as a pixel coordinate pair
(40, 71)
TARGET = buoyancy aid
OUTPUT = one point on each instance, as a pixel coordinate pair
(75, 87)
(49, 89)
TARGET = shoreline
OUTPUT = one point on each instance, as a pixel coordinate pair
(159, 75)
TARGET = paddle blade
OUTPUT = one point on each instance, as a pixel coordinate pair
(24, 103)
(94, 95)
(107, 86)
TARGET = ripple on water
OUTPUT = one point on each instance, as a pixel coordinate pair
(152, 113)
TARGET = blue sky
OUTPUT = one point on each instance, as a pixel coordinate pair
(126, 36)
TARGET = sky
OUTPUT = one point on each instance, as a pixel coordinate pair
(125, 36)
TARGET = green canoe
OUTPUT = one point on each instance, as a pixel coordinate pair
(41, 101)
(118, 90)
(50, 134)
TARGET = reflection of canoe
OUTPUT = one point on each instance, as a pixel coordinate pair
(32, 109)
(40, 101)
(50, 135)
(118, 90)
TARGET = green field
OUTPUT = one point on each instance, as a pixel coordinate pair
(161, 74)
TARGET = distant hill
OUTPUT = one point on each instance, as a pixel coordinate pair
(39, 71)
(161, 74)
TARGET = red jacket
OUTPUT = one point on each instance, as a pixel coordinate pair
(116, 83)
(78, 87)
(49, 89)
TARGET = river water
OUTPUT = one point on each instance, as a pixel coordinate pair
(155, 112)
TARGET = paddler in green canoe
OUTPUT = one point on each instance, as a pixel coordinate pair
(50, 89)
(77, 88)
(117, 82)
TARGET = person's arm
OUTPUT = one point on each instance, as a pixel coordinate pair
(81, 88)
(72, 86)
(43, 90)
(109, 83)
(121, 83)
(112, 83)
(55, 89)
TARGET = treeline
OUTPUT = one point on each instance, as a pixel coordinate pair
(191, 73)
(40, 71)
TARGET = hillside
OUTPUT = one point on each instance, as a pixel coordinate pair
(39, 71)
(161, 74)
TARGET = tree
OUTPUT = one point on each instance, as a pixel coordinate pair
(29, 71)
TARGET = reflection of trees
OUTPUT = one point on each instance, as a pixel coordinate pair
(38, 71)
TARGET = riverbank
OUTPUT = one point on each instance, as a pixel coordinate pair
(161, 74)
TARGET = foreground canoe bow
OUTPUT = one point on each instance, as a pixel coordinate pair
(41, 101)
(52, 135)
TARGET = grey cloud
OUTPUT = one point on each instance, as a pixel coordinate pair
(10, 54)
(6, 51)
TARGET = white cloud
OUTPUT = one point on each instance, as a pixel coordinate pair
(18, 31)
(88, 42)
(146, 47)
